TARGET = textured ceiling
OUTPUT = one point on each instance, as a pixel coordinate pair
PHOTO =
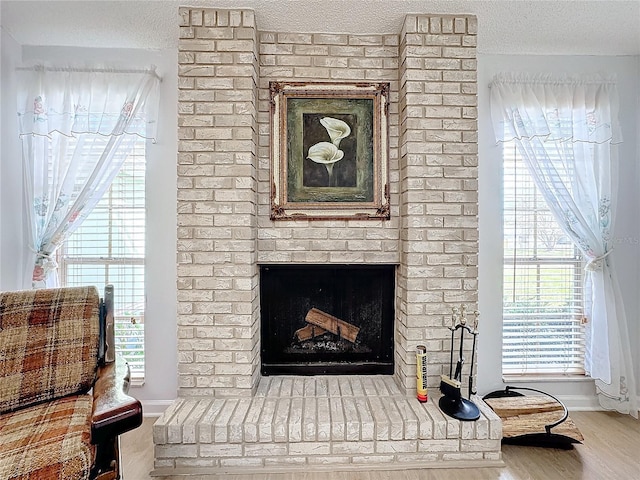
(601, 27)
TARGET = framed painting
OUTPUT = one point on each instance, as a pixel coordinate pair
(329, 151)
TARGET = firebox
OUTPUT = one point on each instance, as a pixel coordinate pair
(327, 319)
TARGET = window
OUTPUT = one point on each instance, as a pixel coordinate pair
(543, 278)
(109, 248)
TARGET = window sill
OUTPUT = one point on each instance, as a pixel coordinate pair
(136, 382)
(545, 378)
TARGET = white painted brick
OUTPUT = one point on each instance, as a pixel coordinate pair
(373, 459)
(409, 419)
(197, 462)
(280, 427)
(352, 448)
(294, 60)
(265, 449)
(351, 74)
(417, 457)
(469, 65)
(367, 428)
(495, 425)
(480, 445)
(304, 38)
(209, 18)
(439, 445)
(324, 420)
(311, 72)
(494, 456)
(235, 18)
(467, 456)
(459, 76)
(184, 16)
(221, 450)
(309, 419)
(330, 39)
(242, 462)
(221, 424)
(469, 41)
(382, 423)
(248, 18)
(331, 62)
(386, 51)
(329, 460)
(176, 451)
(401, 446)
(472, 25)
(250, 425)
(164, 463)
(346, 51)
(482, 428)
(285, 461)
(310, 448)
(196, 17)
(338, 428)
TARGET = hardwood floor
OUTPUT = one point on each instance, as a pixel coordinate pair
(611, 450)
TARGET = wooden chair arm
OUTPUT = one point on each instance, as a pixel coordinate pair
(114, 412)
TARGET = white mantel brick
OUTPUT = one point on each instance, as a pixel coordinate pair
(433, 74)
(217, 206)
(224, 232)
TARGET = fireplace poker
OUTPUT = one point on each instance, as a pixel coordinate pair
(473, 353)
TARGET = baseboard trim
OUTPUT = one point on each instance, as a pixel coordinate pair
(580, 403)
(154, 408)
(337, 467)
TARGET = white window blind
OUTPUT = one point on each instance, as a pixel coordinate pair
(543, 332)
(109, 248)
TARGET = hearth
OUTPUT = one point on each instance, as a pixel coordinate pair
(327, 319)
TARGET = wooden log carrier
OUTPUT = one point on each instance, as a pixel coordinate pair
(539, 420)
(527, 415)
(321, 322)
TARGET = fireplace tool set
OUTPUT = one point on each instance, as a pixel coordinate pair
(452, 403)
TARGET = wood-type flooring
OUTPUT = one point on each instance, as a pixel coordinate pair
(611, 450)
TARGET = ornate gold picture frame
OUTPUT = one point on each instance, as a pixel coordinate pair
(329, 151)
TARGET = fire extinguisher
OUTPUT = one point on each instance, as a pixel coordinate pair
(421, 370)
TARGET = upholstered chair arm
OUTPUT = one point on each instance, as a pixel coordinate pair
(114, 412)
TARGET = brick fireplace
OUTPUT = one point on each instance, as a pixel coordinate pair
(225, 235)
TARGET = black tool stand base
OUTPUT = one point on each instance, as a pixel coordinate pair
(459, 408)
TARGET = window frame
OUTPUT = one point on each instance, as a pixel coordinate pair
(573, 319)
(66, 260)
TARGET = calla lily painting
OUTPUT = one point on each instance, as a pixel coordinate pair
(329, 150)
(328, 153)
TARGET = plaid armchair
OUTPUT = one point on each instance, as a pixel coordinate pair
(62, 406)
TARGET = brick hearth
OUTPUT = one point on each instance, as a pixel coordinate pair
(320, 423)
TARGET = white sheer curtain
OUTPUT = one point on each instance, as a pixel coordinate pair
(76, 128)
(568, 128)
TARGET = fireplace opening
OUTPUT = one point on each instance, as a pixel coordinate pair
(327, 319)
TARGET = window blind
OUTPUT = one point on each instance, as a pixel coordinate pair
(109, 248)
(542, 282)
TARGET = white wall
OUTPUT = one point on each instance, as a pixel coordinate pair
(161, 376)
(11, 237)
(626, 233)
